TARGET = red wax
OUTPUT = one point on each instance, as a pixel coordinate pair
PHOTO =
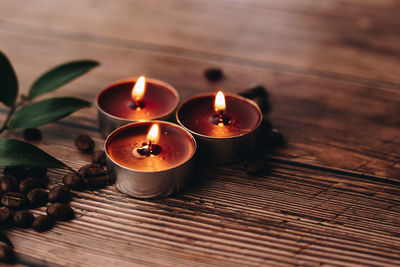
(196, 115)
(159, 100)
(177, 146)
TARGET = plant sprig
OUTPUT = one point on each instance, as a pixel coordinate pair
(25, 113)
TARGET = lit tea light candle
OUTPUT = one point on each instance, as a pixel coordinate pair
(225, 126)
(133, 100)
(149, 159)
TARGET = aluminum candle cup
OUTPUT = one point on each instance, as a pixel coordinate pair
(150, 159)
(225, 128)
(135, 99)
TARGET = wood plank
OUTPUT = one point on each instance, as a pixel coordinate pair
(290, 215)
(338, 125)
(357, 43)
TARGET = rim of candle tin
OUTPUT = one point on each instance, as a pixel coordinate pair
(151, 121)
(134, 79)
(228, 137)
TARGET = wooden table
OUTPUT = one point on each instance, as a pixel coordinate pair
(332, 195)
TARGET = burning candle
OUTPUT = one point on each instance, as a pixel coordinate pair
(149, 159)
(225, 126)
(133, 100)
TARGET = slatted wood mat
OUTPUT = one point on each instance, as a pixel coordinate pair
(331, 196)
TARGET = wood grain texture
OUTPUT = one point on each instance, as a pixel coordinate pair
(330, 197)
(344, 40)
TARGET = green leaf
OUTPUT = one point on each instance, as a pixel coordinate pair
(16, 153)
(4, 239)
(59, 76)
(8, 82)
(45, 111)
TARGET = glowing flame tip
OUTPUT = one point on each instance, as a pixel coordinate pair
(139, 88)
(154, 134)
(219, 104)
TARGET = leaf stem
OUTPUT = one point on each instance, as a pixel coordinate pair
(11, 113)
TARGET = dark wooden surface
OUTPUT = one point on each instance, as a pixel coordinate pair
(331, 196)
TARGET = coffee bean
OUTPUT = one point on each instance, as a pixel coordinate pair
(8, 183)
(99, 156)
(37, 197)
(6, 253)
(59, 193)
(28, 184)
(96, 182)
(18, 172)
(23, 218)
(273, 138)
(265, 125)
(254, 166)
(74, 181)
(32, 134)
(260, 96)
(42, 223)
(13, 200)
(91, 170)
(38, 172)
(256, 91)
(84, 143)
(214, 74)
(60, 212)
(6, 216)
(263, 104)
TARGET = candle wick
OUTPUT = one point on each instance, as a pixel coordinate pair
(137, 104)
(148, 150)
(221, 119)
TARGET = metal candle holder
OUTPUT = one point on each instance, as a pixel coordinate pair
(222, 150)
(149, 184)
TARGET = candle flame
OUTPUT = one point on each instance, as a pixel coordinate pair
(153, 135)
(139, 88)
(219, 103)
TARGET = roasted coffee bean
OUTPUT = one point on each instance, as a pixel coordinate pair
(96, 182)
(99, 156)
(23, 218)
(59, 193)
(265, 125)
(8, 183)
(74, 181)
(38, 172)
(6, 216)
(60, 212)
(254, 166)
(6, 253)
(32, 134)
(42, 223)
(19, 172)
(37, 197)
(274, 138)
(13, 200)
(92, 170)
(214, 74)
(256, 91)
(84, 143)
(263, 104)
(28, 184)
(260, 96)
